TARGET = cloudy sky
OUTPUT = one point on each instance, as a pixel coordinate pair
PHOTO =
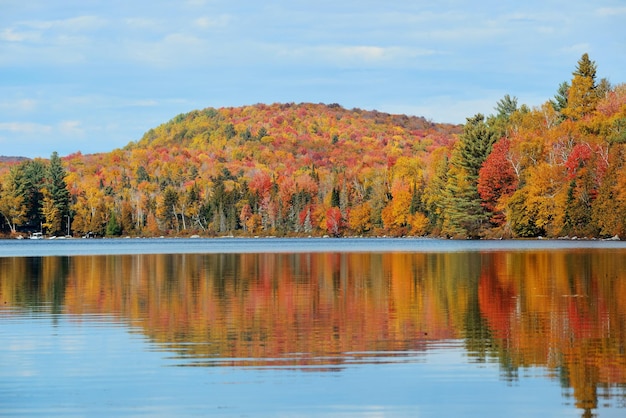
(91, 75)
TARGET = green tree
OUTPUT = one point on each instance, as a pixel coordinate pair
(505, 108)
(335, 198)
(560, 98)
(229, 131)
(33, 183)
(464, 214)
(113, 229)
(58, 195)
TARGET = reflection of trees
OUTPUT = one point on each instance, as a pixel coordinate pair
(558, 311)
(34, 282)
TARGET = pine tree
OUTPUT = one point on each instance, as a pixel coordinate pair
(58, 195)
(505, 108)
(34, 176)
(582, 96)
(463, 214)
(335, 200)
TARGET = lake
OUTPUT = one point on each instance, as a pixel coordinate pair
(312, 327)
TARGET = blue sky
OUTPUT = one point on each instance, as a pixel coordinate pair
(91, 76)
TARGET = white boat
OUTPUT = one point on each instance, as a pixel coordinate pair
(36, 235)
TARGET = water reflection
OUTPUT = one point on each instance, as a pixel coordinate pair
(557, 312)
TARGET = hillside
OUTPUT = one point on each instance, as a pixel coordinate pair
(281, 163)
(312, 169)
(285, 138)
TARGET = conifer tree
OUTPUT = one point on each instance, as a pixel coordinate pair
(34, 177)
(463, 214)
(57, 196)
(582, 95)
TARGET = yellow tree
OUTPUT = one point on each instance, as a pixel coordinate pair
(539, 207)
(51, 213)
(12, 204)
(582, 96)
(396, 214)
(359, 218)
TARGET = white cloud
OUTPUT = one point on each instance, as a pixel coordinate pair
(175, 50)
(18, 105)
(577, 49)
(71, 127)
(73, 24)
(25, 128)
(206, 22)
(11, 35)
(352, 55)
(143, 23)
(611, 11)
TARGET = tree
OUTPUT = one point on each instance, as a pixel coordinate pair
(505, 108)
(334, 221)
(113, 228)
(33, 183)
(464, 215)
(166, 209)
(359, 218)
(582, 96)
(396, 214)
(434, 191)
(57, 195)
(609, 207)
(538, 208)
(126, 222)
(51, 213)
(521, 219)
(335, 198)
(560, 98)
(497, 181)
(12, 203)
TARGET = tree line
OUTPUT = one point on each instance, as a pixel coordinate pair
(285, 169)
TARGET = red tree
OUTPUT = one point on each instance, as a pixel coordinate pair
(497, 179)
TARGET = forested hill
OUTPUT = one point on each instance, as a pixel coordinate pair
(311, 169)
(288, 137)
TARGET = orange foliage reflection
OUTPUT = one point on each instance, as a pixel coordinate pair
(559, 311)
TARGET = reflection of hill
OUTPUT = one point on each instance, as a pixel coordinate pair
(553, 310)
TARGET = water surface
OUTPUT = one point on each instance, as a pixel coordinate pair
(236, 328)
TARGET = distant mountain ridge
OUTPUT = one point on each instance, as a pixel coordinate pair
(11, 159)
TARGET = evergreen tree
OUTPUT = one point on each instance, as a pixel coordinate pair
(113, 228)
(57, 193)
(34, 175)
(582, 95)
(335, 199)
(464, 214)
(559, 103)
(586, 68)
(505, 108)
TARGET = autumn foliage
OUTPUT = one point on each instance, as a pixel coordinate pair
(313, 169)
(559, 312)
